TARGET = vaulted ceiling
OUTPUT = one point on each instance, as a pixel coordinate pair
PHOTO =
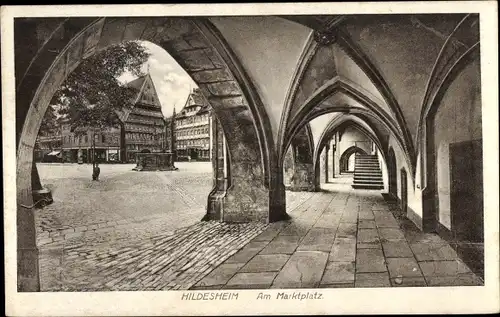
(376, 66)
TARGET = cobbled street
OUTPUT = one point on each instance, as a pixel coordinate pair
(133, 230)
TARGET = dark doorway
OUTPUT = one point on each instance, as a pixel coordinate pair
(466, 196)
(466, 202)
(404, 192)
(392, 171)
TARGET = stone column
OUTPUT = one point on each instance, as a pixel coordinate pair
(218, 153)
(333, 159)
(327, 149)
(28, 279)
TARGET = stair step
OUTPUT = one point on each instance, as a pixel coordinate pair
(363, 186)
(369, 178)
(369, 183)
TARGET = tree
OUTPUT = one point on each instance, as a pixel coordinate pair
(92, 96)
(50, 123)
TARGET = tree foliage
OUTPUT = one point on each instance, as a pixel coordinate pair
(50, 123)
(92, 96)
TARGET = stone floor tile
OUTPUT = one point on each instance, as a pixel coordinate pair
(343, 250)
(408, 282)
(366, 224)
(251, 280)
(391, 234)
(282, 244)
(266, 263)
(346, 230)
(318, 239)
(414, 235)
(267, 235)
(403, 267)
(433, 252)
(466, 279)
(368, 236)
(386, 222)
(397, 249)
(366, 215)
(349, 218)
(330, 220)
(249, 251)
(370, 260)
(443, 268)
(296, 229)
(339, 285)
(374, 245)
(338, 272)
(303, 270)
(372, 280)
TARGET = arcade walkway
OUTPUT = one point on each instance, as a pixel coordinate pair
(343, 239)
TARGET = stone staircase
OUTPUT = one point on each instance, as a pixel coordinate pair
(367, 173)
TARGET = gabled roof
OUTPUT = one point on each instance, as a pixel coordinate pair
(139, 84)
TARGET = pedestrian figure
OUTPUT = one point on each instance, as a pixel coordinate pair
(96, 172)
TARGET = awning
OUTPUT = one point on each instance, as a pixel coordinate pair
(54, 153)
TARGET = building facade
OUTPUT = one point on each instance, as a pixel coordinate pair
(192, 129)
(48, 148)
(141, 130)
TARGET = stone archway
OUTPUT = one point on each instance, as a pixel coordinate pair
(59, 45)
(344, 158)
(392, 171)
(303, 172)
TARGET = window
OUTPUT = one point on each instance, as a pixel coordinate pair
(86, 138)
(103, 138)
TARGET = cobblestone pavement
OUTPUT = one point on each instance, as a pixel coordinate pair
(346, 238)
(121, 199)
(139, 262)
(130, 236)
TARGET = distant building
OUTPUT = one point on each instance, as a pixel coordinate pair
(48, 148)
(143, 125)
(192, 129)
(142, 129)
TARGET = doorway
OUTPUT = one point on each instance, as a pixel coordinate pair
(404, 192)
(392, 171)
(466, 192)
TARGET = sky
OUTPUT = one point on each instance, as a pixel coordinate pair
(172, 83)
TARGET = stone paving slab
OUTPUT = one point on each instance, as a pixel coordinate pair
(251, 280)
(433, 252)
(372, 280)
(303, 270)
(403, 267)
(443, 268)
(370, 260)
(266, 263)
(285, 244)
(408, 282)
(343, 250)
(338, 273)
(397, 249)
(220, 276)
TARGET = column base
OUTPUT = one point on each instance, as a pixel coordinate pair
(27, 270)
